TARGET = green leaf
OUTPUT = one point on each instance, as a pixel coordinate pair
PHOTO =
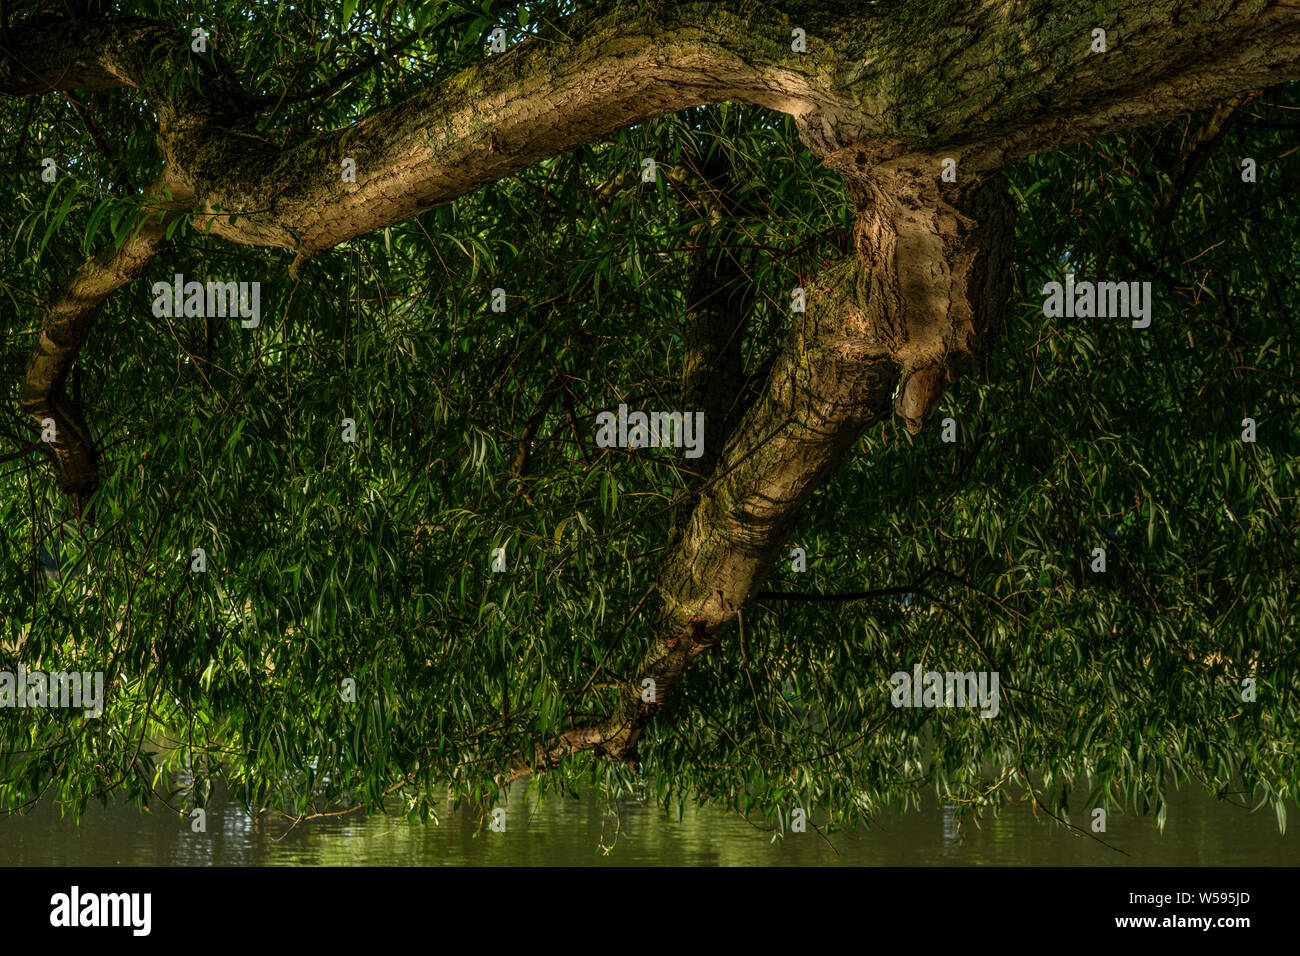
(59, 216)
(92, 227)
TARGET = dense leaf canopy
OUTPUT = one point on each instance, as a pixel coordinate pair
(329, 560)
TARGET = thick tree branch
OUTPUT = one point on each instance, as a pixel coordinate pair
(1024, 79)
(68, 319)
(486, 123)
(927, 283)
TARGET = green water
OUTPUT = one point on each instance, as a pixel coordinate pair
(583, 831)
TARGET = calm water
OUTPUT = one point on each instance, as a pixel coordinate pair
(571, 831)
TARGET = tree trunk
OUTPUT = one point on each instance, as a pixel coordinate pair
(920, 295)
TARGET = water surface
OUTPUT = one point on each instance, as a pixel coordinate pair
(582, 831)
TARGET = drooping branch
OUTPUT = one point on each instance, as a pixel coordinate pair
(927, 281)
(902, 590)
(1195, 154)
(67, 321)
(519, 466)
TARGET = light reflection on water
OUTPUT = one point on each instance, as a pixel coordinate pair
(572, 830)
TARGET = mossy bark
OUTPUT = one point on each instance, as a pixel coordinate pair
(68, 319)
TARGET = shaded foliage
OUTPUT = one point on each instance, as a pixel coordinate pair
(370, 561)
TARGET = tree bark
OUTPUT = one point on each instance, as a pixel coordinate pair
(68, 319)
(923, 290)
(997, 82)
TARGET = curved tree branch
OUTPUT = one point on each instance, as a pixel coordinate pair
(929, 280)
(1025, 80)
(68, 319)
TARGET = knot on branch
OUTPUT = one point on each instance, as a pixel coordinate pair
(934, 273)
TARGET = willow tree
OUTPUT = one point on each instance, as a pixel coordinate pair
(363, 539)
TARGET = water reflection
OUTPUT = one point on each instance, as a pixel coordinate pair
(951, 836)
(585, 830)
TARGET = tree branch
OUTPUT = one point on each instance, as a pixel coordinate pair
(68, 318)
(519, 467)
(853, 98)
(867, 314)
